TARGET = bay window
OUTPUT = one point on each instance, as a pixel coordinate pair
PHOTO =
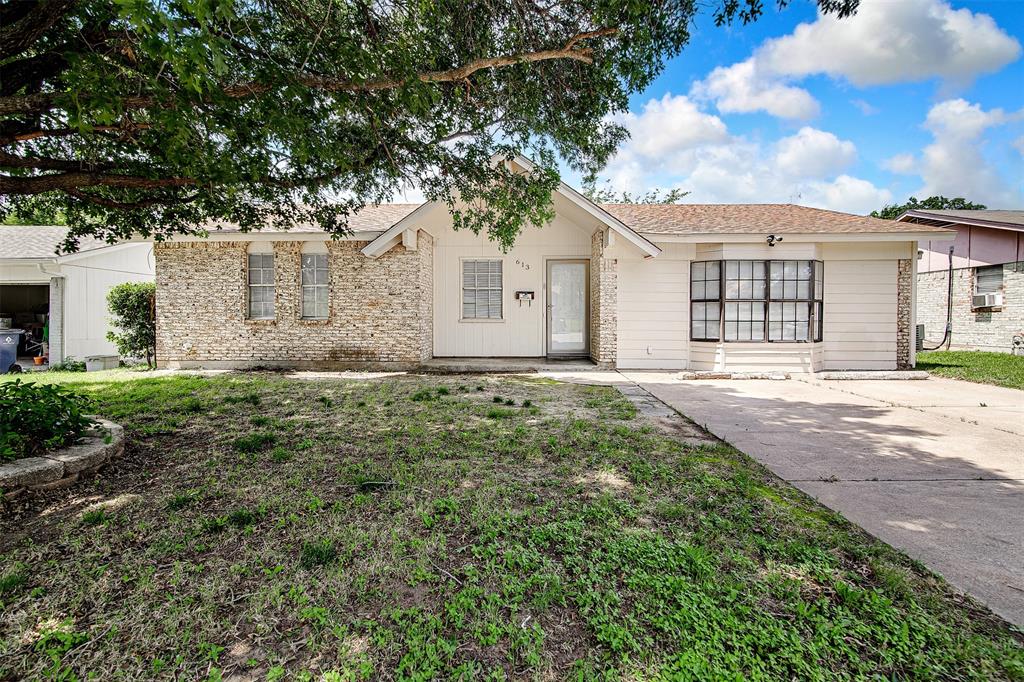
(756, 300)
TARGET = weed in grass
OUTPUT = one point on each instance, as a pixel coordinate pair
(240, 518)
(510, 402)
(421, 396)
(251, 398)
(443, 390)
(253, 442)
(325, 400)
(479, 388)
(95, 517)
(527, 403)
(192, 406)
(499, 413)
(362, 403)
(280, 454)
(14, 580)
(316, 554)
(305, 444)
(497, 399)
(180, 501)
(260, 420)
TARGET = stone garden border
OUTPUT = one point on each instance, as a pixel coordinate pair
(97, 446)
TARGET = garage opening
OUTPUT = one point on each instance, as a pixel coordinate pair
(27, 307)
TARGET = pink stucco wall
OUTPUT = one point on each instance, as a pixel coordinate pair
(973, 246)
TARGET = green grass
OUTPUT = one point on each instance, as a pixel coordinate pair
(999, 369)
(379, 536)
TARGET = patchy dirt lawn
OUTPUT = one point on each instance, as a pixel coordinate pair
(264, 527)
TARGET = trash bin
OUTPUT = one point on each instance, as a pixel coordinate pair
(9, 340)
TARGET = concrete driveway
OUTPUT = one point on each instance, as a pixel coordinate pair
(935, 467)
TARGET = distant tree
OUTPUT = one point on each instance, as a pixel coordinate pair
(34, 216)
(131, 305)
(894, 211)
(158, 117)
(607, 195)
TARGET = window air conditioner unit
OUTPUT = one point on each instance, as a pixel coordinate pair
(986, 300)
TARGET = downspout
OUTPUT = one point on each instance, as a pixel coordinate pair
(947, 338)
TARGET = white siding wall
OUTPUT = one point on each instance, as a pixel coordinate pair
(653, 314)
(860, 314)
(87, 281)
(522, 331)
(756, 357)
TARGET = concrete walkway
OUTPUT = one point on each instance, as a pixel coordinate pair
(935, 468)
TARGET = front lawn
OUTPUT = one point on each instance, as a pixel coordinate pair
(261, 527)
(1000, 369)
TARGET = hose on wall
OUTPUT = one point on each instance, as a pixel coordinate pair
(947, 337)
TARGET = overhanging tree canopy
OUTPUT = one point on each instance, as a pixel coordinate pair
(148, 117)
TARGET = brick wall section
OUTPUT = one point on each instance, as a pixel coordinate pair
(978, 330)
(603, 304)
(904, 312)
(380, 309)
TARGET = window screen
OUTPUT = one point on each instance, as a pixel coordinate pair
(988, 280)
(314, 286)
(261, 286)
(481, 289)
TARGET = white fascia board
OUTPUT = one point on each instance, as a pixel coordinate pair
(99, 251)
(711, 237)
(387, 240)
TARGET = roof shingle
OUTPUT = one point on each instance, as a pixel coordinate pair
(678, 219)
(38, 241)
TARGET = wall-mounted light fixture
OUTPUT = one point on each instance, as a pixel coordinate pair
(773, 240)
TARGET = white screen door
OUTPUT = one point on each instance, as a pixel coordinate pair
(568, 307)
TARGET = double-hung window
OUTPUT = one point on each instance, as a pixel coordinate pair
(481, 289)
(261, 286)
(314, 286)
(756, 300)
(988, 279)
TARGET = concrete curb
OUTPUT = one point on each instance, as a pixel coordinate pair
(61, 468)
(894, 375)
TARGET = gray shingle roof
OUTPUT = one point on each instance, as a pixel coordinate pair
(1009, 219)
(38, 241)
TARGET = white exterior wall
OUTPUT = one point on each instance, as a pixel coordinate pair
(653, 309)
(860, 309)
(87, 280)
(521, 332)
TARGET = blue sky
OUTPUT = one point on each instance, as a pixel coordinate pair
(908, 97)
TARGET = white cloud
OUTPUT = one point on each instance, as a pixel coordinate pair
(953, 164)
(742, 88)
(671, 124)
(865, 107)
(904, 164)
(892, 42)
(1018, 144)
(813, 153)
(806, 167)
(885, 42)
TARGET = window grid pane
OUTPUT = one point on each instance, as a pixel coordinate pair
(315, 280)
(261, 285)
(481, 290)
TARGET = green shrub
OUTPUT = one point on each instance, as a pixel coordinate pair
(131, 306)
(69, 364)
(36, 417)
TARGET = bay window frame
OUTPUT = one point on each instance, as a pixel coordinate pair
(814, 302)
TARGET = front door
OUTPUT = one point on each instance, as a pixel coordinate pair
(568, 307)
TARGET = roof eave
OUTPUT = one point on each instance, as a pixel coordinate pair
(704, 237)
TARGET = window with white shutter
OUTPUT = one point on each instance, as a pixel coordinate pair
(481, 290)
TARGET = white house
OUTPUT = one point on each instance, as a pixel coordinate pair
(68, 293)
(702, 287)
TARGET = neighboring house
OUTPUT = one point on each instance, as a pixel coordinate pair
(988, 278)
(637, 286)
(67, 293)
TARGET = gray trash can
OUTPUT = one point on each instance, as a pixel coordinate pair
(9, 339)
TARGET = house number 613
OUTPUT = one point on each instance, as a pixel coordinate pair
(524, 265)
